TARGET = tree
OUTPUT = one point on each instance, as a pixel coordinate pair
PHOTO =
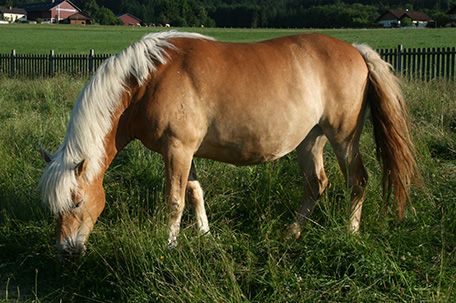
(406, 21)
(99, 14)
(440, 18)
(106, 17)
(90, 7)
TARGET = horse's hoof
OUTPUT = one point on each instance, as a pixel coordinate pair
(204, 233)
(294, 231)
(172, 244)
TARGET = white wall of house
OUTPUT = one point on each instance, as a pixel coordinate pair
(420, 23)
(395, 23)
(389, 23)
(13, 17)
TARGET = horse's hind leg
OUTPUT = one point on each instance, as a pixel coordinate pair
(351, 164)
(310, 158)
(195, 195)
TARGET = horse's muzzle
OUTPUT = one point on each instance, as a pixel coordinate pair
(69, 249)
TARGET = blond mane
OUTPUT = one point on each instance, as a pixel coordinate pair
(91, 117)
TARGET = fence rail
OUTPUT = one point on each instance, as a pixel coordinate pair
(411, 63)
(41, 65)
(422, 63)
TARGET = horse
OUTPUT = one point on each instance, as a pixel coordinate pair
(186, 95)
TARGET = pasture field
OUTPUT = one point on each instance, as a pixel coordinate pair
(247, 257)
(111, 39)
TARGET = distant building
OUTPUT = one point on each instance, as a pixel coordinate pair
(394, 17)
(129, 20)
(53, 11)
(12, 14)
(78, 18)
(419, 19)
(390, 18)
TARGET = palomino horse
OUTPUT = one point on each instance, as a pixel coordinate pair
(185, 95)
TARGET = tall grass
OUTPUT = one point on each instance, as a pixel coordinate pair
(247, 257)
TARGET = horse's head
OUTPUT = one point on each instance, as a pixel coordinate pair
(74, 200)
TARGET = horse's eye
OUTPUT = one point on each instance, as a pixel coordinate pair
(77, 200)
(77, 204)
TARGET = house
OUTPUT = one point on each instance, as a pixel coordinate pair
(390, 18)
(78, 18)
(129, 20)
(393, 18)
(12, 14)
(53, 11)
(419, 19)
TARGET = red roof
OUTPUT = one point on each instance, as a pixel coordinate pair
(79, 16)
(129, 19)
(397, 14)
(416, 16)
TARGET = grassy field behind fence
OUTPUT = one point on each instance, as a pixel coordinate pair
(111, 39)
(246, 259)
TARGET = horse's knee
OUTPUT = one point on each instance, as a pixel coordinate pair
(176, 213)
(363, 177)
(195, 192)
(176, 206)
(358, 182)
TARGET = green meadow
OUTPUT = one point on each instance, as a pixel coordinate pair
(247, 257)
(111, 39)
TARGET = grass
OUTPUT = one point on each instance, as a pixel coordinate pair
(246, 259)
(111, 39)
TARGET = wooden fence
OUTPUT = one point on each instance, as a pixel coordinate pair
(422, 63)
(412, 63)
(41, 65)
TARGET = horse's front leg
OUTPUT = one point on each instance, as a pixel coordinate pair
(178, 159)
(196, 196)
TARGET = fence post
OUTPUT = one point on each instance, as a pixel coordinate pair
(453, 63)
(400, 50)
(13, 63)
(51, 63)
(91, 61)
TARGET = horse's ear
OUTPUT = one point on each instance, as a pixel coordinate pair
(45, 155)
(79, 168)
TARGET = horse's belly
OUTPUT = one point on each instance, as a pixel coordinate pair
(252, 132)
(244, 146)
(239, 155)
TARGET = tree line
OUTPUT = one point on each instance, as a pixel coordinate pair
(254, 13)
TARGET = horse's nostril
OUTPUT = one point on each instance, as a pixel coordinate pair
(69, 249)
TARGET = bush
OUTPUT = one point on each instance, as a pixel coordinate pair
(405, 22)
(105, 16)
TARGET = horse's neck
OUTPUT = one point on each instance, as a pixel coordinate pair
(117, 138)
